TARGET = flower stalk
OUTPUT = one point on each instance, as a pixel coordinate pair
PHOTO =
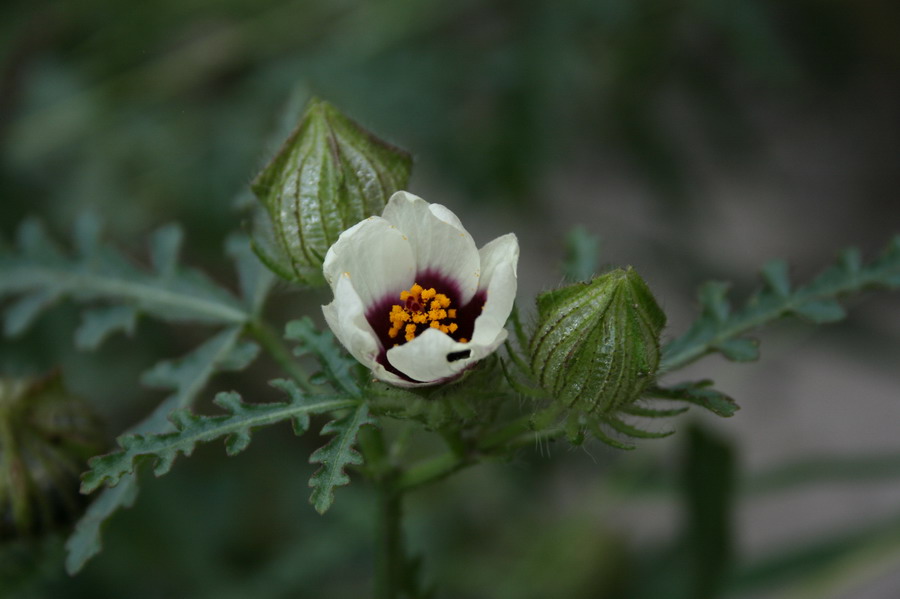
(272, 343)
(390, 556)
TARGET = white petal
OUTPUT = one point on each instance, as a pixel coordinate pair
(425, 357)
(444, 213)
(438, 240)
(498, 279)
(383, 374)
(376, 257)
(347, 319)
(346, 316)
(483, 350)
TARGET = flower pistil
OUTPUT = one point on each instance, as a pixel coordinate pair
(421, 308)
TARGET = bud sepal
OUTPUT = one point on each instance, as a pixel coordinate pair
(46, 436)
(329, 174)
(595, 350)
(596, 346)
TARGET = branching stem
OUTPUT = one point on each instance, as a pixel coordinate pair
(847, 278)
(391, 563)
(271, 341)
(390, 558)
(393, 569)
(433, 469)
(519, 433)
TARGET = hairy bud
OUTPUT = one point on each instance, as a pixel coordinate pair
(596, 347)
(46, 436)
(329, 175)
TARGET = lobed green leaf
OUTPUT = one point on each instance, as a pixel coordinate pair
(99, 323)
(719, 329)
(85, 541)
(337, 454)
(254, 278)
(235, 426)
(186, 376)
(337, 365)
(39, 273)
(698, 393)
(20, 316)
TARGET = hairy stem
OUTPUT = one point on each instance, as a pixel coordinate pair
(391, 576)
(271, 341)
(520, 426)
(519, 433)
(390, 558)
(433, 469)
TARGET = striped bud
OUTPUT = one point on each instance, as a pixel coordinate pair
(329, 175)
(596, 347)
(46, 436)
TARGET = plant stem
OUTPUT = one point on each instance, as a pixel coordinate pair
(538, 424)
(516, 435)
(433, 470)
(390, 558)
(390, 555)
(371, 444)
(271, 341)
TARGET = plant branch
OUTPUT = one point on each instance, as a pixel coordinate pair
(276, 348)
(516, 435)
(433, 469)
(390, 557)
(191, 429)
(718, 329)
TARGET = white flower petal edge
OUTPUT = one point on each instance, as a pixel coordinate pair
(425, 357)
(346, 316)
(438, 240)
(443, 213)
(377, 257)
(498, 279)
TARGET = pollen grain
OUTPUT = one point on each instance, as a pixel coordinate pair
(420, 309)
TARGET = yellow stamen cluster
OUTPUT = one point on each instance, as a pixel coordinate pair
(421, 308)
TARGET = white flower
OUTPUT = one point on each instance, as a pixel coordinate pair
(414, 299)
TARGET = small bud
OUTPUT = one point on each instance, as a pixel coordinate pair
(329, 175)
(46, 436)
(596, 347)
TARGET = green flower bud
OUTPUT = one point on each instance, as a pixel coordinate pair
(596, 347)
(329, 175)
(46, 437)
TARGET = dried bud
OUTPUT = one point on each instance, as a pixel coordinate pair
(46, 436)
(329, 175)
(596, 347)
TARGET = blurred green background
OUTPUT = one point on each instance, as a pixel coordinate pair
(698, 138)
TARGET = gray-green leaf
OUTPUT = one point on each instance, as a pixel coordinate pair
(336, 455)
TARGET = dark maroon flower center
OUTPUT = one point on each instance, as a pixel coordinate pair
(432, 302)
